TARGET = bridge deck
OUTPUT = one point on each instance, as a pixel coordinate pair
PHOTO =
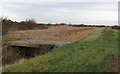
(35, 43)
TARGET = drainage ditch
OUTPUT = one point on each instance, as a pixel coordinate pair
(12, 54)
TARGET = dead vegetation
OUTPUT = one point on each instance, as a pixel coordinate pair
(54, 33)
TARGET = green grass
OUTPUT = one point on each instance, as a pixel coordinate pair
(85, 56)
(94, 35)
(6, 38)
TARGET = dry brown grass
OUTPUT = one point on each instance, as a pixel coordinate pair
(116, 30)
(54, 33)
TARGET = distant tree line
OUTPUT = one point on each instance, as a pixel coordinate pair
(9, 25)
(116, 27)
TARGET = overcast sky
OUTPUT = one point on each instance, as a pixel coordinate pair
(67, 11)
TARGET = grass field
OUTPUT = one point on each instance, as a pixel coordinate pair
(6, 38)
(89, 55)
(54, 33)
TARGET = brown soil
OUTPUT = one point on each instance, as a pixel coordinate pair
(54, 33)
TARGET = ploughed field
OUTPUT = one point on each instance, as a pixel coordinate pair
(54, 33)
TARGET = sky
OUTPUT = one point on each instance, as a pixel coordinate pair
(62, 11)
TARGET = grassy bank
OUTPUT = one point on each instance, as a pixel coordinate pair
(85, 56)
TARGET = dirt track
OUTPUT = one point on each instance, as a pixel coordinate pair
(55, 33)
